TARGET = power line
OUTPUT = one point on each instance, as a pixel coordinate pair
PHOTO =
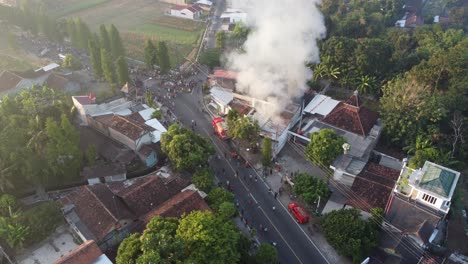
(346, 191)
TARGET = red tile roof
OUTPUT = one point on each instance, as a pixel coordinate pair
(147, 193)
(179, 7)
(8, 81)
(129, 127)
(136, 117)
(240, 106)
(97, 208)
(86, 253)
(225, 74)
(373, 186)
(56, 81)
(352, 117)
(197, 8)
(84, 100)
(106, 120)
(182, 203)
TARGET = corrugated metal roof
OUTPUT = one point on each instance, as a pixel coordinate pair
(321, 104)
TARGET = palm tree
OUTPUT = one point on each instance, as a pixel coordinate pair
(319, 71)
(14, 233)
(366, 84)
(333, 72)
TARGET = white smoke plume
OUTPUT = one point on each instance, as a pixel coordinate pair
(283, 38)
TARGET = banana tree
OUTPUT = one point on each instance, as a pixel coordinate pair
(366, 84)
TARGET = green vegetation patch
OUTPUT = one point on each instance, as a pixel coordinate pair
(13, 64)
(168, 34)
(135, 49)
(76, 6)
(178, 23)
(42, 221)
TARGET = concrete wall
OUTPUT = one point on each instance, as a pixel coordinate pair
(93, 181)
(97, 125)
(81, 112)
(117, 177)
(174, 2)
(151, 159)
(143, 140)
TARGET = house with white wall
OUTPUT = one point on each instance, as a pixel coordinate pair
(420, 201)
(193, 12)
(432, 185)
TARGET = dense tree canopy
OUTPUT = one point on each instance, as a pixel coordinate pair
(199, 237)
(310, 188)
(211, 58)
(39, 145)
(324, 147)
(163, 57)
(151, 54)
(72, 63)
(266, 152)
(348, 233)
(186, 149)
(123, 76)
(242, 127)
(95, 54)
(117, 48)
(203, 180)
(217, 196)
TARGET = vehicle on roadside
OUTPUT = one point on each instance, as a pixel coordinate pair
(299, 213)
(220, 127)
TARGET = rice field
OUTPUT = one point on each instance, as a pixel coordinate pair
(136, 20)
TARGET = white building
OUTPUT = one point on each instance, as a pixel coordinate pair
(205, 4)
(234, 15)
(432, 185)
(86, 106)
(274, 127)
(193, 12)
(420, 201)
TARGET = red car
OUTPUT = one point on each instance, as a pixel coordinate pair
(299, 213)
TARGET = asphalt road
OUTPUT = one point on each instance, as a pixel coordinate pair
(215, 24)
(255, 199)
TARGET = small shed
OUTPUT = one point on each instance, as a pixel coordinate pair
(103, 173)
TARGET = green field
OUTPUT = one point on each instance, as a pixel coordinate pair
(13, 64)
(73, 8)
(137, 20)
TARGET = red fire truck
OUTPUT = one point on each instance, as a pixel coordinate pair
(220, 127)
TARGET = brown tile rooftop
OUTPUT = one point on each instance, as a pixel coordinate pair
(129, 127)
(373, 186)
(97, 208)
(8, 81)
(240, 106)
(147, 193)
(136, 117)
(106, 120)
(407, 216)
(182, 203)
(86, 253)
(352, 117)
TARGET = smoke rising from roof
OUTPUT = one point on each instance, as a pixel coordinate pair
(283, 38)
